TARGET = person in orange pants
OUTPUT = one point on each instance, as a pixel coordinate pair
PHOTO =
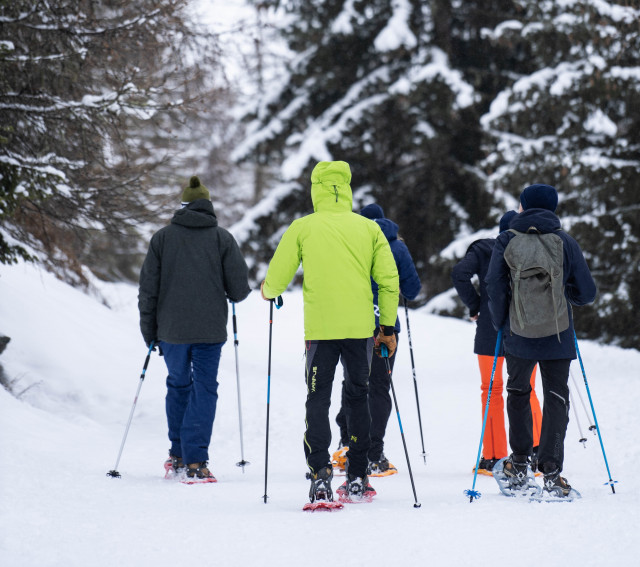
(476, 262)
(494, 443)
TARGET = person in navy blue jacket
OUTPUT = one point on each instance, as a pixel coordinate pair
(553, 354)
(379, 381)
(476, 262)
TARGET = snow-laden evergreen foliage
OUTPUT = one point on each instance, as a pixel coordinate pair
(97, 103)
(446, 110)
(571, 118)
(369, 87)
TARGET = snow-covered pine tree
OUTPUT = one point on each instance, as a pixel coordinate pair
(100, 102)
(369, 86)
(571, 118)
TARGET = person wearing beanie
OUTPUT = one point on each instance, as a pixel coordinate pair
(537, 229)
(539, 196)
(340, 252)
(379, 380)
(192, 267)
(476, 263)
(194, 191)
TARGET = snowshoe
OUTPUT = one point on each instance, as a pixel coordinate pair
(517, 480)
(320, 493)
(556, 489)
(198, 473)
(486, 466)
(339, 458)
(356, 490)
(173, 467)
(381, 467)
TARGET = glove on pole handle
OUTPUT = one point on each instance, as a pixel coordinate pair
(114, 473)
(384, 351)
(473, 493)
(611, 482)
(415, 382)
(242, 462)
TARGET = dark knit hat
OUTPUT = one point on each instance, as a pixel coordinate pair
(195, 190)
(506, 219)
(539, 196)
(372, 211)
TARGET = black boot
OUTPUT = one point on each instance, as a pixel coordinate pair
(321, 485)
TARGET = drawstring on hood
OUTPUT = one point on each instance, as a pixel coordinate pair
(330, 187)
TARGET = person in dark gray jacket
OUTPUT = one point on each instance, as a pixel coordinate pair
(192, 268)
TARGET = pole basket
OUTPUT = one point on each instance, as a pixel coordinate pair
(472, 494)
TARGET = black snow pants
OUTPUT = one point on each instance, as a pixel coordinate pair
(380, 405)
(321, 360)
(555, 411)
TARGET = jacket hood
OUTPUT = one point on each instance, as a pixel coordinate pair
(330, 187)
(197, 214)
(541, 219)
(389, 228)
(484, 246)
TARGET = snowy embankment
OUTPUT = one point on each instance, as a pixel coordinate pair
(76, 365)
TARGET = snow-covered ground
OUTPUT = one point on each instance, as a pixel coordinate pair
(76, 365)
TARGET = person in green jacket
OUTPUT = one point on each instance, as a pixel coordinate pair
(340, 252)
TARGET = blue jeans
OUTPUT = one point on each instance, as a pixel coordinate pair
(192, 396)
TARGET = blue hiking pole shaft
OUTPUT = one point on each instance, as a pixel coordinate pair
(473, 493)
(385, 354)
(266, 453)
(595, 419)
(114, 473)
(415, 381)
(242, 462)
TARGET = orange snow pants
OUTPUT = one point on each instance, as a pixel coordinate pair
(495, 438)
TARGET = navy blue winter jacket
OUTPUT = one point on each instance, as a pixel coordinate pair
(409, 281)
(579, 289)
(476, 261)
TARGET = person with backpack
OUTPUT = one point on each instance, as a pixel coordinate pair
(340, 252)
(476, 262)
(537, 271)
(192, 267)
(379, 380)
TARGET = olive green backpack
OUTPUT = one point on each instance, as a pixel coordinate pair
(538, 305)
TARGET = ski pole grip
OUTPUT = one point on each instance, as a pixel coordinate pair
(384, 350)
(279, 302)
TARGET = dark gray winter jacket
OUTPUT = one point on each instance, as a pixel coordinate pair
(192, 267)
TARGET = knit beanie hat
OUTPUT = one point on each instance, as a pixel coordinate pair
(506, 219)
(372, 211)
(195, 190)
(539, 196)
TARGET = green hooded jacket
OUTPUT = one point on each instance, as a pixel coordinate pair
(340, 252)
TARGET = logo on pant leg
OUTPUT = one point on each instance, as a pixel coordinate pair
(313, 379)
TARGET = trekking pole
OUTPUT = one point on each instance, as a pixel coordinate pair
(278, 302)
(385, 354)
(473, 493)
(415, 382)
(592, 427)
(595, 419)
(582, 439)
(242, 462)
(114, 473)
